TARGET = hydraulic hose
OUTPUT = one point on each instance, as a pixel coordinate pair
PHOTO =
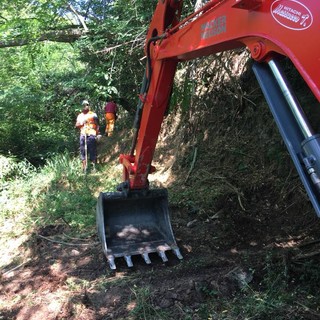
(143, 91)
(148, 72)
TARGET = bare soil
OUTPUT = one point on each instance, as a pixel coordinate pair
(68, 278)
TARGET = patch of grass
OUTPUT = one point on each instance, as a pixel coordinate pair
(142, 307)
(75, 284)
(107, 282)
(274, 297)
(11, 168)
(57, 191)
(69, 195)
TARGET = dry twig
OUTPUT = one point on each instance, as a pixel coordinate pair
(67, 243)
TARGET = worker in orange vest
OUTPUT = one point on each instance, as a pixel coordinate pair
(110, 110)
(88, 123)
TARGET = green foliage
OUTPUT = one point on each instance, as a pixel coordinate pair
(113, 52)
(26, 20)
(273, 296)
(43, 84)
(69, 195)
(57, 191)
(38, 104)
(276, 292)
(11, 169)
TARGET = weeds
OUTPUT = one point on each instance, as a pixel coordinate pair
(273, 297)
(35, 198)
(142, 306)
(75, 284)
(11, 169)
(69, 195)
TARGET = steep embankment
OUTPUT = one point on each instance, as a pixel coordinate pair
(247, 232)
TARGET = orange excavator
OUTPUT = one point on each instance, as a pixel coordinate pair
(135, 219)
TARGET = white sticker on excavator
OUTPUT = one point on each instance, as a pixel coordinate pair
(291, 14)
(214, 27)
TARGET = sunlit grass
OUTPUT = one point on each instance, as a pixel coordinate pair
(142, 307)
(57, 193)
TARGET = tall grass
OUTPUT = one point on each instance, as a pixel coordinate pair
(14, 186)
(10, 169)
(58, 191)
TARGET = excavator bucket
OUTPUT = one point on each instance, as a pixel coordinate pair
(135, 224)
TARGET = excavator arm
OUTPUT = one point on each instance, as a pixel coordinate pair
(269, 29)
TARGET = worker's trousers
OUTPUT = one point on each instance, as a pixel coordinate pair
(88, 148)
(110, 120)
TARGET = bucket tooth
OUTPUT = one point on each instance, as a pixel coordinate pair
(111, 262)
(128, 261)
(146, 258)
(177, 252)
(163, 256)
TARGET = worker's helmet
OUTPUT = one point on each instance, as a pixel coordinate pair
(85, 102)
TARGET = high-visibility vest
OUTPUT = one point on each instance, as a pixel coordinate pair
(90, 123)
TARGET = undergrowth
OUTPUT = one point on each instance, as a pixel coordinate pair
(54, 194)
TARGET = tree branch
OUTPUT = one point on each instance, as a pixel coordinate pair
(80, 18)
(68, 36)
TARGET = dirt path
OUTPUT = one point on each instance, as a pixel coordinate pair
(68, 278)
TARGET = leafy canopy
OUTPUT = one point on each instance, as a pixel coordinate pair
(42, 83)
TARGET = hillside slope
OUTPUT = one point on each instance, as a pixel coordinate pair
(249, 236)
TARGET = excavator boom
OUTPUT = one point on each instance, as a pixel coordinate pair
(269, 29)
